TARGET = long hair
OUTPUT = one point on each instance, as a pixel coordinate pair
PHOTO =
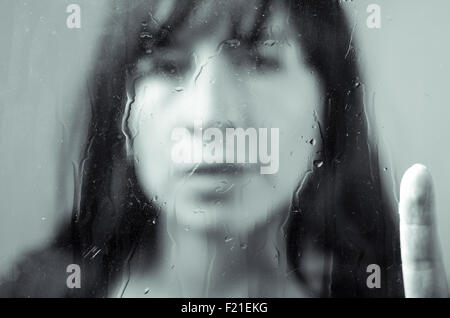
(340, 208)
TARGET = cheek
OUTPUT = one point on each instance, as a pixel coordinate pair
(292, 104)
(150, 125)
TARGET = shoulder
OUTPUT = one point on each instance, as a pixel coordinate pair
(41, 273)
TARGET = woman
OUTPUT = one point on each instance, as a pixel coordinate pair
(147, 223)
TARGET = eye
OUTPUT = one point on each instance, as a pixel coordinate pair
(169, 68)
(173, 67)
(257, 60)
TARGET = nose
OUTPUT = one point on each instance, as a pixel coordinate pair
(216, 93)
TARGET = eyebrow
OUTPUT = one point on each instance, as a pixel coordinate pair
(172, 48)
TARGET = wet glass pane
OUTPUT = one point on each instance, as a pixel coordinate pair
(224, 148)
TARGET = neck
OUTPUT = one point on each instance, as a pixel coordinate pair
(219, 264)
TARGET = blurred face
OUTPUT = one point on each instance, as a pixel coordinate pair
(224, 130)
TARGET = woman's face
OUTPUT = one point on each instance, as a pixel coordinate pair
(205, 91)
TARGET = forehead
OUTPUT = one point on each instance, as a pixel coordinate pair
(189, 21)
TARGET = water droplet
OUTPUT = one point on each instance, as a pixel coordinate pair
(179, 89)
(269, 42)
(385, 169)
(312, 142)
(234, 43)
(224, 186)
(187, 228)
(146, 291)
(145, 35)
(318, 163)
(43, 218)
(228, 239)
(243, 246)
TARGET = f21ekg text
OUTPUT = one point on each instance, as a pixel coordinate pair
(210, 309)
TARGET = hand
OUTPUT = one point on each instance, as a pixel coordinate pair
(422, 264)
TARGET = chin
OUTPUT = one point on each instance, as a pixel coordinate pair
(221, 217)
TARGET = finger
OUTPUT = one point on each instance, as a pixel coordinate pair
(423, 270)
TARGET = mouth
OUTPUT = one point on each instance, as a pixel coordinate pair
(216, 181)
(217, 169)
